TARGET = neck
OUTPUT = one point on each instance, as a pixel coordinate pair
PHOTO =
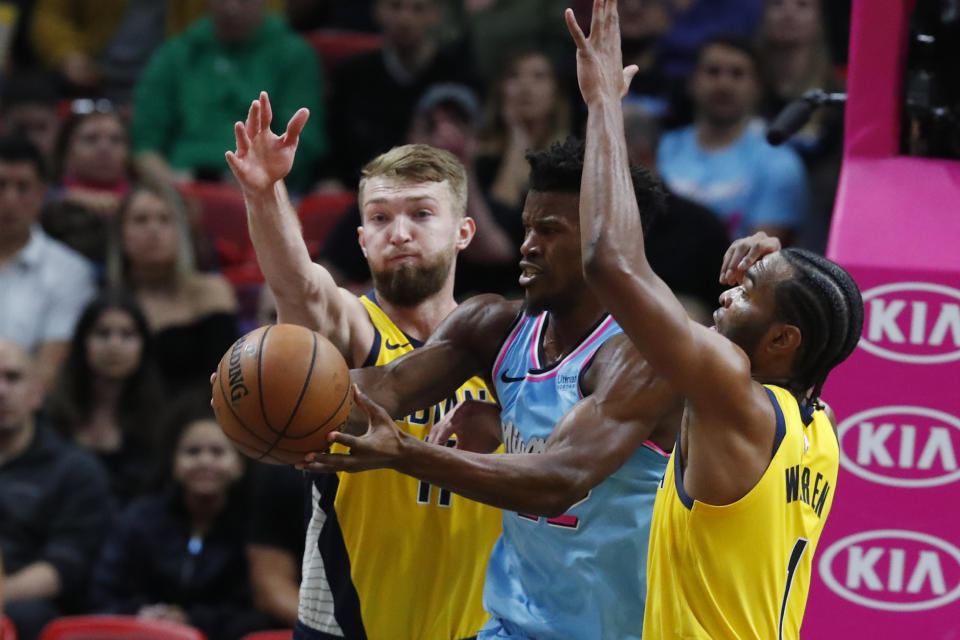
(414, 58)
(789, 68)
(538, 132)
(203, 509)
(106, 392)
(567, 328)
(420, 320)
(10, 244)
(715, 135)
(153, 277)
(13, 442)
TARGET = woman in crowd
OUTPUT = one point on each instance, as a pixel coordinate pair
(527, 109)
(109, 394)
(93, 169)
(192, 315)
(179, 555)
(795, 58)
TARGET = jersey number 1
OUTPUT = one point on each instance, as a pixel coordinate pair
(798, 548)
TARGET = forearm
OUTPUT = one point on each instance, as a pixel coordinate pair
(278, 241)
(535, 484)
(401, 388)
(614, 261)
(37, 580)
(54, 38)
(610, 224)
(275, 582)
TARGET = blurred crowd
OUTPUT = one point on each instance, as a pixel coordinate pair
(126, 271)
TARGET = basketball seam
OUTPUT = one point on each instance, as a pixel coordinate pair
(226, 403)
(346, 393)
(303, 389)
(263, 409)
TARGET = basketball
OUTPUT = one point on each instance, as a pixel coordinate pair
(279, 391)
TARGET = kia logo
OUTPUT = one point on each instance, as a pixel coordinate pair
(893, 570)
(916, 322)
(902, 446)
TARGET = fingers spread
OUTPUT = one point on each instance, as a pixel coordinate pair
(295, 126)
(234, 163)
(252, 124)
(628, 75)
(266, 111)
(243, 140)
(574, 29)
(347, 440)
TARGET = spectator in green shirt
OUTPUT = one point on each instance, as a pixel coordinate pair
(199, 83)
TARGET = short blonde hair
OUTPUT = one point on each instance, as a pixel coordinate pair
(420, 163)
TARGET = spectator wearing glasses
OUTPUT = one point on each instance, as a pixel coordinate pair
(94, 172)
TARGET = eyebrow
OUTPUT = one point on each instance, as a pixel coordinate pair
(415, 198)
(750, 276)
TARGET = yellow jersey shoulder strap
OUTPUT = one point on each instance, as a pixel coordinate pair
(389, 341)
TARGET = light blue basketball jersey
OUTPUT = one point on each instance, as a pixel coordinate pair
(583, 574)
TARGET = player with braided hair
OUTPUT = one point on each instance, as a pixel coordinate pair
(751, 480)
(824, 302)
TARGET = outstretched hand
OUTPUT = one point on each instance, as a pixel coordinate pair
(379, 448)
(743, 254)
(600, 70)
(262, 157)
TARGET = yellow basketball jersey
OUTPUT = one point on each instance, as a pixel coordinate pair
(415, 555)
(743, 570)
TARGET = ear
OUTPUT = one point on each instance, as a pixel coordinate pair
(465, 232)
(362, 241)
(785, 339)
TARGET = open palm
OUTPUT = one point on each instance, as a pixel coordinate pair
(599, 57)
(262, 157)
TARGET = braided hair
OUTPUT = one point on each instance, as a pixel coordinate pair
(824, 302)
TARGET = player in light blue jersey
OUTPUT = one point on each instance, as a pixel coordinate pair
(585, 423)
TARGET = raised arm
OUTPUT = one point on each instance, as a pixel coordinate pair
(628, 405)
(306, 292)
(615, 264)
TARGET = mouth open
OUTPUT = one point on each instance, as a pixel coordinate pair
(528, 273)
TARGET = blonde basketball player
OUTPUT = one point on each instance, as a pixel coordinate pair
(753, 476)
(386, 556)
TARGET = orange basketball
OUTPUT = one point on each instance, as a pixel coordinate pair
(279, 391)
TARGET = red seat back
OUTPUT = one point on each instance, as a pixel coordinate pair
(223, 217)
(279, 634)
(97, 627)
(319, 214)
(7, 630)
(333, 45)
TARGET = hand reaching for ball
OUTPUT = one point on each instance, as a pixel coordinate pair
(381, 447)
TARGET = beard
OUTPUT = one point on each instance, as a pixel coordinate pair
(408, 285)
(745, 336)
